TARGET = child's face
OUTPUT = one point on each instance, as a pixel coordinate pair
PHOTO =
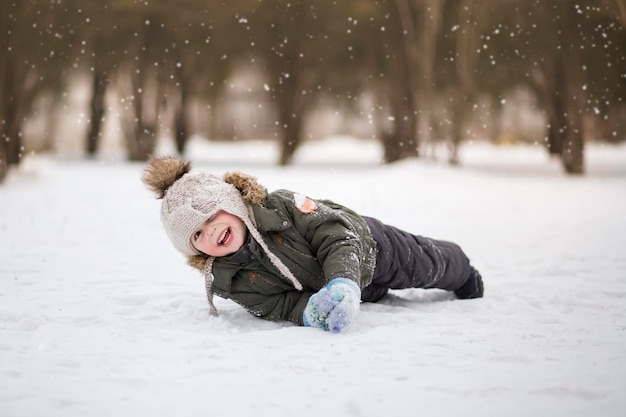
(221, 235)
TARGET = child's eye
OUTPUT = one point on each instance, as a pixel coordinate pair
(196, 236)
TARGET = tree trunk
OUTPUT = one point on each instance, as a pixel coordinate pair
(4, 98)
(291, 126)
(467, 39)
(11, 118)
(414, 60)
(556, 122)
(4, 166)
(571, 69)
(573, 156)
(420, 21)
(144, 145)
(181, 118)
(4, 162)
(180, 126)
(142, 115)
(13, 137)
(402, 141)
(14, 105)
(140, 118)
(143, 140)
(459, 114)
(98, 110)
(292, 108)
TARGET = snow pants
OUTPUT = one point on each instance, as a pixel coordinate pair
(404, 260)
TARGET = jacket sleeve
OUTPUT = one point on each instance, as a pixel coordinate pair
(263, 298)
(339, 237)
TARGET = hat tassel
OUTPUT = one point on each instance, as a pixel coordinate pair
(208, 284)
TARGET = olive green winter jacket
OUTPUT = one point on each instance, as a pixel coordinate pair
(330, 241)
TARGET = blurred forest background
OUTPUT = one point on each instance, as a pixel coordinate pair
(409, 73)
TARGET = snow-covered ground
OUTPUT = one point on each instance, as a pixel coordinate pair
(99, 315)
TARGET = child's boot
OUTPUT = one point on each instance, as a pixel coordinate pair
(473, 287)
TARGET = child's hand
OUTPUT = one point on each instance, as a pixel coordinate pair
(333, 307)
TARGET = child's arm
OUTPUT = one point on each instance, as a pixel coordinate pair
(332, 308)
(339, 237)
(266, 299)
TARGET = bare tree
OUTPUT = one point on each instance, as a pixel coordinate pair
(289, 39)
(142, 91)
(421, 23)
(32, 63)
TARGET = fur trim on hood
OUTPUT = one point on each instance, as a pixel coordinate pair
(251, 191)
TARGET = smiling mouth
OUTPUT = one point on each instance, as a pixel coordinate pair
(225, 237)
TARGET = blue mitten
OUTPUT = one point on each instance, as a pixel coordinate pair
(333, 307)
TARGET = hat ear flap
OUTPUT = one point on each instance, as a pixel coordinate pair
(250, 189)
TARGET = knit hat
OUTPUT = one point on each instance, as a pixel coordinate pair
(190, 199)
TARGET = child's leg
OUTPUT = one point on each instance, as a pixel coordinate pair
(405, 260)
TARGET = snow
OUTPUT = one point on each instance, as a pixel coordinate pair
(99, 315)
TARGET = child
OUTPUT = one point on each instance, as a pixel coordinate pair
(284, 256)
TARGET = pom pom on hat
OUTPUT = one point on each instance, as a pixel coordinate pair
(161, 173)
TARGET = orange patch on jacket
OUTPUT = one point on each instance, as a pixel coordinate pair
(304, 204)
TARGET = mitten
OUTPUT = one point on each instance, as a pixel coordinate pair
(333, 307)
